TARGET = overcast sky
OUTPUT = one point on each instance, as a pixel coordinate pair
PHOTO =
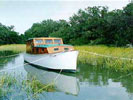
(23, 13)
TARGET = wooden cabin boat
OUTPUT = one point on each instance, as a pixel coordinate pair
(51, 53)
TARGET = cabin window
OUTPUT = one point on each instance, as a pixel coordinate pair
(57, 41)
(56, 49)
(48, 41)
(66, 49)
(39, 41)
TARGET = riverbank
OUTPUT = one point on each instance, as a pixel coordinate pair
(112, 58)
(16, 48)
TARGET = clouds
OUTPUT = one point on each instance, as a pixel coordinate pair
(22, 14)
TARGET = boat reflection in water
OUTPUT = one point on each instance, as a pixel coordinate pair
(64, 83)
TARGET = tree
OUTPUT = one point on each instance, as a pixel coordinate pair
(8, 35)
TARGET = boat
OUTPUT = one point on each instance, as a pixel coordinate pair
(68, 84)
(51, 53)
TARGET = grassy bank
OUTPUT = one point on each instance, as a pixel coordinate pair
(16, 48)
(113, 62)
(107, 57)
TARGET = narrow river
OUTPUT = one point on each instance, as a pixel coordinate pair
(89, 83)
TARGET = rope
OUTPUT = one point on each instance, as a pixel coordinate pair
(107, 56)
(52, 83)
(93, 53)
(20, 65)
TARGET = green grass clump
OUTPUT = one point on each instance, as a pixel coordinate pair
(37, 87)
(6, 83)
(11, 87)
(6, 53)
(116, 64)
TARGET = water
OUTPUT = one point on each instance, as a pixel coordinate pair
(89, 83)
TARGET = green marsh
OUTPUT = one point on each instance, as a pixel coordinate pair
(95, 73)
(113, 58)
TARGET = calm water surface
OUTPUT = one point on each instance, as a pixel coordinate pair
(89, 83)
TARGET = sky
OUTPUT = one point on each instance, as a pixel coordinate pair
(23, 13)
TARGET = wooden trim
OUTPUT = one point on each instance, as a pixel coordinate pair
(30, 46)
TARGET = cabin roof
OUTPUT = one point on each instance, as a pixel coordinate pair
(43, 38)
(51, 45)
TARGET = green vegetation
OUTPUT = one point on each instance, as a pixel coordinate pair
(6, 53)
(10, 51)
(107, 57)
(16, 48)
(8, 35)
(87, 55)
(93, 25)
(28, 88)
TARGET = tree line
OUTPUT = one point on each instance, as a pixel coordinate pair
(8, 35)
(93, 25)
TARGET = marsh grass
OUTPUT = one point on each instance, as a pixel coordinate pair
(9, 51)
(16, 48)
(11, 87)
(6, 56)
(115, 64)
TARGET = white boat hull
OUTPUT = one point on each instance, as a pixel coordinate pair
(57, 61)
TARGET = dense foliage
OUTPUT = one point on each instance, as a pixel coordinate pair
(93, 25)
(8, 35)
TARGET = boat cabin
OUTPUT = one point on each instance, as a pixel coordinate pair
(46, 45)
